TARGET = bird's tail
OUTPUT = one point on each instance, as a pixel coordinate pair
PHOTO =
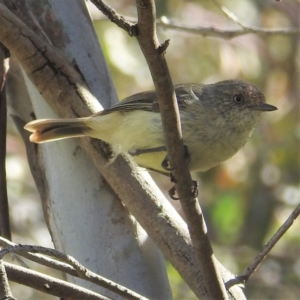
(55, 129)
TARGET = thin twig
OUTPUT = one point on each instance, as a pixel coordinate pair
(119, 20)
(41, 259)
(76, 270)
(227, 33)
(242, 279)
(167, 24)
(50, 285)
(253, 29)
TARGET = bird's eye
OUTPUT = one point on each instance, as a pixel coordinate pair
(238, 99)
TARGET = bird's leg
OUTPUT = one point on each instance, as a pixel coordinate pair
(165, 165)
(135, 152)
(165, 162)
(172, 191)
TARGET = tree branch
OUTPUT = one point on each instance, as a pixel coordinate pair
(71, 266)
(268, 247)
(5, 292)
(176, 153)
(119, 20)
(50, 285)
(253, 29)
(4, 210)
(165, 23)
(227, 34)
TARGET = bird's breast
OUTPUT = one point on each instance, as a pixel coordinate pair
(213, 141)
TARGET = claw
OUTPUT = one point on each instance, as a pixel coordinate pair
(172, 178)
(135, 152)
(187, 156)
(194, 189)
(172, 192)
(165, 164)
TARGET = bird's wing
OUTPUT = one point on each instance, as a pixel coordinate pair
(147, 101)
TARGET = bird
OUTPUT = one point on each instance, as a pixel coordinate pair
(217, 120)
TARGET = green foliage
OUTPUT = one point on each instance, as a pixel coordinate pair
(227, 217)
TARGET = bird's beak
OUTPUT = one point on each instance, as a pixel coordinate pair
(263, 107)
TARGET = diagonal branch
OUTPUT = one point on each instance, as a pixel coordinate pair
(119, 20)
(70, 266)
(5, 292)
(268, 247)
(253, 29)
(50, 285)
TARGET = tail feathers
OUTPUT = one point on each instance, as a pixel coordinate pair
(50, 130)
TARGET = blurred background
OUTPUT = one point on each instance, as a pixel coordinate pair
(247, 198)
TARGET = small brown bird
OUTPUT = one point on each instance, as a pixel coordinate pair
(217, 120)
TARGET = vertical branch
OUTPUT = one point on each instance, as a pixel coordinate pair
(4, 212)
(154, 54)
